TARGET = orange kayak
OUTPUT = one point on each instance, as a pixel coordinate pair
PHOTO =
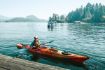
(55, 54)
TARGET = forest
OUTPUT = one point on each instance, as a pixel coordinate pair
(92, 13)
(89, 13)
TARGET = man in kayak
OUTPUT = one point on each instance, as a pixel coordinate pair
(35, 43)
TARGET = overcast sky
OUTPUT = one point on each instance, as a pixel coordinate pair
(41, 8)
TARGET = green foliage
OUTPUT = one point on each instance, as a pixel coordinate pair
(89, 13)
(57, 18)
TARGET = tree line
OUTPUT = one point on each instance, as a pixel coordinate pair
(57, 18)
(94, 13)
(89, 13)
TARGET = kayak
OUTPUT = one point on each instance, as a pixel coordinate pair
(54, 53)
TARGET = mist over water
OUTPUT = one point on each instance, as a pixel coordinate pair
(84, 39)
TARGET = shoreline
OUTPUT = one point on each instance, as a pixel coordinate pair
(11, 63)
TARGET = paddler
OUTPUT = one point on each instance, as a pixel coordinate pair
(35, 44)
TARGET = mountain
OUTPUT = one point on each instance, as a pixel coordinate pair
(34, 18)
(30, 18)
(3, 18)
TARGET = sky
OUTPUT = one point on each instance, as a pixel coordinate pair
(41, 8)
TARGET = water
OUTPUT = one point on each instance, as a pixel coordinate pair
(84, 39)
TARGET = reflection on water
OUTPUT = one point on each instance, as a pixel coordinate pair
(50, 26)
(84, 39)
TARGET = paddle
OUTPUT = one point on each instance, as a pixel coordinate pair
(47, 42)
(24, 45)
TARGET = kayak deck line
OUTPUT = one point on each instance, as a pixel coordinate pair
(10, 63)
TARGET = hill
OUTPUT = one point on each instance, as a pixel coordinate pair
(30, 18)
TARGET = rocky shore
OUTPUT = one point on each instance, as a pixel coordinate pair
(10, 63)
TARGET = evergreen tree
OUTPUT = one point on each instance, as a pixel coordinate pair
(89, 13)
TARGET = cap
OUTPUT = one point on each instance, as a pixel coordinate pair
(35, 37)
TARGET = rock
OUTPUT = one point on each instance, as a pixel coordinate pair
(10, 63)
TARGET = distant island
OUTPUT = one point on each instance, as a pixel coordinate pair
(30, 18)
(56, 18)
(92, 13)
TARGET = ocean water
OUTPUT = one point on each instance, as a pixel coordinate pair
(84, 39)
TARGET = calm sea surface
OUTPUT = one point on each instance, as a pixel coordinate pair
(84, 39)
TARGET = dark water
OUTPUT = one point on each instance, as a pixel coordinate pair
(84, 39)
